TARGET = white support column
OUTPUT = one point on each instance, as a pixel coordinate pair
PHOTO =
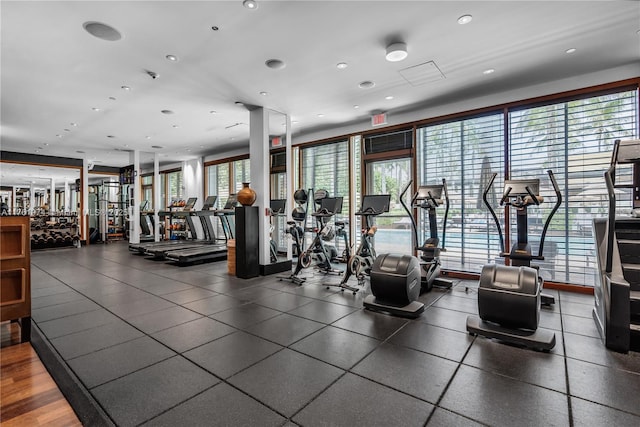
(259, 164)
(84, 211)
(32, 198)
(290, 179)
(157, 191)
(52, 196)
(14, 198)
(134, 203)
(67, 197)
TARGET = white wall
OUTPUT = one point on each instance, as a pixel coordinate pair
(192, 178)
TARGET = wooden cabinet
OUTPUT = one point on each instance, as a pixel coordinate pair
(15, 272)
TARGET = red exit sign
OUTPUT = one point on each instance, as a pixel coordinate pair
(379, 119)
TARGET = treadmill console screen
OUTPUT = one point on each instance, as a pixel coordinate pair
(191, 201)
(209, 202)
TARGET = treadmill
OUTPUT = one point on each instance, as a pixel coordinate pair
(211, 251)
(158, 249)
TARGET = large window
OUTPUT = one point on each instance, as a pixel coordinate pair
(218, 183)
(241, 173)
(575, 140)
(465, 153)
(147, 193)
(175, 187)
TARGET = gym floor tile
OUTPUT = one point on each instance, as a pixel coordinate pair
(429, 298)
(53, 290)
(125, 296)
(577, 309)
(76, 323)
(163, 319)
(99, 290)
(55, 299)
(62, 310)
(580, 326)
(141, 306)
(336, 346)
(347, 298)
(550, 320)
(118, 360)
(231, 354)
(467, 305)
(542, 369)
(188, 295)
(496, 400)
(433, 339)
(376, 325)
(450, 319)
(419, 374)
(608, 386)
(311, 290)
(144, 394)
(90, 340)
(213, 304)
(321, 311)
(283, 301)
(286, 381)
(284, 329)
(587, 414)
(220, 405)
(166, 288)
(592, 350)
(245, 315)
(192, 334)
(587, 299)
(253, 293)
(346, 403)
(442, 417)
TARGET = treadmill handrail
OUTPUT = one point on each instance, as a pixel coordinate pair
(446, 211)
(493, 213)
(414, 226)
(553, 211)
(609, 180)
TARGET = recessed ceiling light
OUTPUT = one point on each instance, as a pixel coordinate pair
(465, 19)
(126, 145)
(388, 98)
(341, 65)
(37, 151)
(74, 124)
(356, 106)
(112, 98)
(95, 109)
(79, 151)
(171, 58)
(111, 136)
(366, 84)
(276, 64)
(571, 50)
(156, 146)
(167, 112)
(127, 88)
(58, 136)
(176, 126)
(489, 71)
(102, 31)
(66, 130)
(263, 93)
(46, 143)
(147, 137)
(215, 28)
(250, 4)
(320, 115)
(396, 52)
(213, 112)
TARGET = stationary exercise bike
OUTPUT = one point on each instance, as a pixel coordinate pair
(319, 250)
(429, 198)
(360, 263)
(296, 231)
(509, 297)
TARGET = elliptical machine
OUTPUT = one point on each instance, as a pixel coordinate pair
(429, 198)
(360, 263)
(509, 297)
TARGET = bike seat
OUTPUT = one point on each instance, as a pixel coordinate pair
(342, 223)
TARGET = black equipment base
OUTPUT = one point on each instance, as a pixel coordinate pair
(275, 267)
(412, 310)
(540, 339)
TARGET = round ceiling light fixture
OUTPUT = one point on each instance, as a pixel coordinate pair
(489, 71)
(465, 19)
(167, 112)
(366, 84)
(158, 147)
(396, 52)
(341, 65)
(172, 58)
(275, 64)
(571, 50)
(250, 4)
(102, 31)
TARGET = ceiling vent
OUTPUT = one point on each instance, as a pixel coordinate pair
(422, 74)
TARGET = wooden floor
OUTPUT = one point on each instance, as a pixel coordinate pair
(28, 394)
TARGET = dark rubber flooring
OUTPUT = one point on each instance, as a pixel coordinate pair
(157, 344)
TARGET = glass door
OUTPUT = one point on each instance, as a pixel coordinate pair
(394, 232)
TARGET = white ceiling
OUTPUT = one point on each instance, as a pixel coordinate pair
(54, 72)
